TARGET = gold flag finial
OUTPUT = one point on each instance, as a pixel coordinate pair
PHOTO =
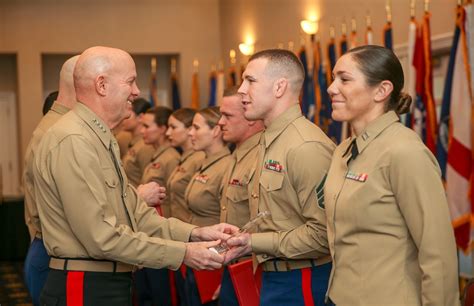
(427, 6)
(153, 65)
(232, 56)
(173, 65)
(412, 9)
(353, 25)
(332, 32)
(291, 45)
(196, 65)
(344, 28)
(368, 21)
(388, 9)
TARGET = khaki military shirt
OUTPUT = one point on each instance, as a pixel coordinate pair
(86, 206)
(235, 196)
(31, 212)
(291, 171)
(135, 161)
(164, 161)
(389, 231)
(204, 191)
(189, 163)
(124, 140)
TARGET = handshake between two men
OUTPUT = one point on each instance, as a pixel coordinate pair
(210, 246)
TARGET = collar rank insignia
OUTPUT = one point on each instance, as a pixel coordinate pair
(202, 178)
(235, 182)
(156, 165)
(273, 165)
(362, 177)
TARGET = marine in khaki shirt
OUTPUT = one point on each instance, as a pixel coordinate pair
(235, 195)
(79, 178)
(204, 191)
(288, 183)
(388, 221)
(296, 158)
(389, 229)
(31, 211)
(138, 157)
(164, 161)
(189, 162)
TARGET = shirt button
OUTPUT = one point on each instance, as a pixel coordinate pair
(254, 195)
(223, 208)
(124, 194)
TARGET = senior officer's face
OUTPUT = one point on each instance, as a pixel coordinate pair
(232, 122)
(201, 133)
(123, 89)
(150, 131)
(257, 90)
(352, 99)
(177, 132)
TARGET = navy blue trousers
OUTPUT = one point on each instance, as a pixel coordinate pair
(153, 287)
(36, 269)
(227, 296)
(285, 288)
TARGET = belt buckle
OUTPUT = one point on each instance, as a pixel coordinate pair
(287, 264)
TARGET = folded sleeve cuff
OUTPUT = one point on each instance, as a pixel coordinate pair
(265, 243)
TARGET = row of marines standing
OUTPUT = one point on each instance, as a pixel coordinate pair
(393, 244)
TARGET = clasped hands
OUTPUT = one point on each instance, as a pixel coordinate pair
(199, 254)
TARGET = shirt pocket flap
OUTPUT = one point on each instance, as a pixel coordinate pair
(111, 179)
(271, 181)
(237, 193)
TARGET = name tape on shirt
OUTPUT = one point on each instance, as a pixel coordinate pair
(273, 165)
(362, 177)
(202, 178)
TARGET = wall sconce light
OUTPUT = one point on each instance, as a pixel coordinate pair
(247, 48)
(310, 27)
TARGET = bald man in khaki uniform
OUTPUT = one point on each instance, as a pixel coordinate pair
(294, 160)
(94, 225)
(35, 274)
(235, 195)
(398, 255)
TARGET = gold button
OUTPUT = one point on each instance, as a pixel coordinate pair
(254, 195)
(223, 208)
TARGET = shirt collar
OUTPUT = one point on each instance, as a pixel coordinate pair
(214, 158)
(247, 146)
(59, 108)
(280, 123)
(160, 150)
(94, 122)
(374, 129)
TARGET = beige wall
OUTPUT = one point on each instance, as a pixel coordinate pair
(31, 28)
(202, 29)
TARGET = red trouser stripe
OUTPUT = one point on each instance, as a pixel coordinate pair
(183, 271)
(306, 286)
(174, 293)
(75, 288)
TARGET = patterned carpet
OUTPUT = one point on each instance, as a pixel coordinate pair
(13, 291)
